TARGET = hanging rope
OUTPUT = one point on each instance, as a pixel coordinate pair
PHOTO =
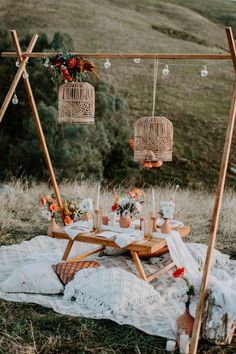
(155, 72)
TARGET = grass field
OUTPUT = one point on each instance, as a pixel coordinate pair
(27, 329)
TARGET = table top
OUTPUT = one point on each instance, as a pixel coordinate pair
(149, 246)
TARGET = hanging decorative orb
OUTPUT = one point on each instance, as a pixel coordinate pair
(76, 103)
(15, 99)
(165, 71)
(204, 71)
(153, 141)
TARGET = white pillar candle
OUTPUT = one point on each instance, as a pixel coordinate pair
(184, 344)
(153, 202)
(170, 345)
(98, 196)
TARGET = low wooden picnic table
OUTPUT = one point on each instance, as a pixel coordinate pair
(138, 249)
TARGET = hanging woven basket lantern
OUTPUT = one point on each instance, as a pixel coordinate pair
(76, 103)
(153, 140)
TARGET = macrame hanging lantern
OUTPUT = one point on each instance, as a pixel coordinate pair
(76, 103)
(153, 136)
(153, 139)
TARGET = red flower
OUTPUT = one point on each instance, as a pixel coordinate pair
(179, 273)
(71, 63)
(66, 74)
(43, 201)
(114, 207)
(58, 62)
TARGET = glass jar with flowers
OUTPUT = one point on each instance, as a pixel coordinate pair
(128, 206)
(50, 212)
(185, 322)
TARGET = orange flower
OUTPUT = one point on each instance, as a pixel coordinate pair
(67, 220)
(179, 273)
(53, 207)
(157, 164)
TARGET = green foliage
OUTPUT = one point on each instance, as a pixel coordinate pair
(99, 151)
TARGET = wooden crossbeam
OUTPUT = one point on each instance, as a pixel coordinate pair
(214, 56)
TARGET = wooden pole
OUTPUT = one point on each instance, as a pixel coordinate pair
(217, 205)
(17, 77)
(214, 56)
(37, 121)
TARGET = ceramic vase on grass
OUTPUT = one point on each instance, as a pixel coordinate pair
(184, 324)
(53, 227)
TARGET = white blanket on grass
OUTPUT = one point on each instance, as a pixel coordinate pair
(157, 314)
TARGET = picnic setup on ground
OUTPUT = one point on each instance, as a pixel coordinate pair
(128, 262)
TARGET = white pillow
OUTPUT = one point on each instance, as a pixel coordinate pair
(112, 289)
(35, 278)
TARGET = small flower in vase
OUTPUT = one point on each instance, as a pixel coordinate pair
(185, 322)
(50, 212)
(127, 207)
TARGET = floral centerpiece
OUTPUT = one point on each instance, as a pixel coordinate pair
(75, 210)
(185, 322)
(71, 67)
(50, 212)
(128, 206)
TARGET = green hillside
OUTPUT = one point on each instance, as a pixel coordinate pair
(197, 106)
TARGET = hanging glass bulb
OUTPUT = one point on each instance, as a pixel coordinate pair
(165, 71)
(17, 63)
(15, 99)
(107, 64)
(25, 75)
(137, 60)
(204, 71)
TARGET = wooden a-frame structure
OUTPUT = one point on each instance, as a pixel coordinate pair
(23, 57)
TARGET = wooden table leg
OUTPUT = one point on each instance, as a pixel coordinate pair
(138, 265)
(86, 254)
(67, 250)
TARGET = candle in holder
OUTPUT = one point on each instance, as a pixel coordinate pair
(184, 343)
(97, 220)
(153, 202)
(148, 228)
(98, 196)
(170, 346)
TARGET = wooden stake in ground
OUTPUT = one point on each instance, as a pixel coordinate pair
(217, 205)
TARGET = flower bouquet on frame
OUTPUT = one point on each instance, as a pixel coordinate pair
(128, 206)
(185, 322)
(70, 67)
